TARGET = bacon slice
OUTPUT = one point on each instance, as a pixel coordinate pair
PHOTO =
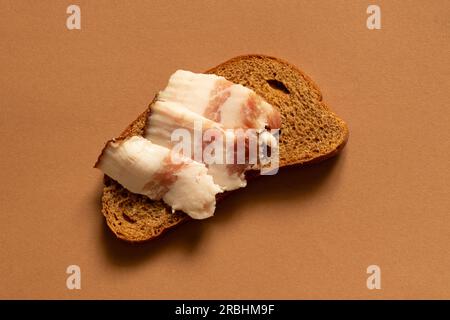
(217, 99)
(152, 170)
(167, 117)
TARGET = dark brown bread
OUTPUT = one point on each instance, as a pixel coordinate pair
(310, 132)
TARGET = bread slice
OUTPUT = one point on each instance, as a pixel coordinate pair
(310, 132)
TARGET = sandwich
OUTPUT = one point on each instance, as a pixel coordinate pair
(205, 135)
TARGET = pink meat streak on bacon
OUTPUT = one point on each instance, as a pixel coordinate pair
(250, 111)
(165, 177)
(274, 120)
(218, 96)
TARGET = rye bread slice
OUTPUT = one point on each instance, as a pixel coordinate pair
(310, 132)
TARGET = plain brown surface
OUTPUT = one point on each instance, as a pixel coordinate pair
(305, 233)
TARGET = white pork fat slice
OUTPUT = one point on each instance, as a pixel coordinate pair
(149, 169)
(215, 98)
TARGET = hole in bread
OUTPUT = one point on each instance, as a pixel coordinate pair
(278, 85)
(127, 218)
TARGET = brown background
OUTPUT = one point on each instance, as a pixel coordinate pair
(305, 233)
